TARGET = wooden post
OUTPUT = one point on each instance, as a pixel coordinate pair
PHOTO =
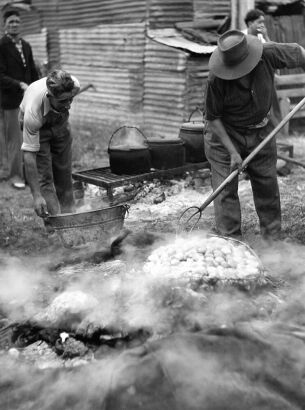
(234, 13)
(239, 9)
(244, 7)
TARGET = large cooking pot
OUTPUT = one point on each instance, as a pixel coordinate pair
(129, 152)
(166, 153)
(191, 133)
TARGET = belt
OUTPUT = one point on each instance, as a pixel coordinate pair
(261, 124)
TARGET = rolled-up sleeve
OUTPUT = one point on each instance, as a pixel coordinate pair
(285, 55)
(31, 125)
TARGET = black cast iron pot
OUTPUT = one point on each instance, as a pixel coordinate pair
(167, 153)
(192, 133)
(128, 155)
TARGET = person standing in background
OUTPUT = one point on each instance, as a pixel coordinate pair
(17, 71)
(255, 22)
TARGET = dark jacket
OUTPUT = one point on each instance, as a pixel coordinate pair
(239, 106)
(12, 72)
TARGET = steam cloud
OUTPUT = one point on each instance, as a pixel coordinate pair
(255, 357)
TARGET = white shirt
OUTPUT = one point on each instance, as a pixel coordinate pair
(259, 36)
(34, 107)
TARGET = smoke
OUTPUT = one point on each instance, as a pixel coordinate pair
(128, 137)
(285, 260)
(220, 348)
(21, 282)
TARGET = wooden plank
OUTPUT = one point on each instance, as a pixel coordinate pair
(288, 87)
(291, 92)
(289, 80)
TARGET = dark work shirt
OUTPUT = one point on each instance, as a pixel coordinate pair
(238, 106)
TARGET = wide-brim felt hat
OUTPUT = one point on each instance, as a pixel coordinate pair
(236, 55)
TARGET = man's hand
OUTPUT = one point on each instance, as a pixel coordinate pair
(236, 162)
(23, 85)
(40, 206)
(263, 31)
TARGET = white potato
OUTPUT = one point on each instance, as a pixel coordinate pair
(212, 256)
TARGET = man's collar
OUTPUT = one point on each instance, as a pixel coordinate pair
(13, 39)
(47, 107)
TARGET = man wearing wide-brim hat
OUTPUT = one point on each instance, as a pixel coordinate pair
(238, 101)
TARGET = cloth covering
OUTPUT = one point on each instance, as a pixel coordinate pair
(253, 367)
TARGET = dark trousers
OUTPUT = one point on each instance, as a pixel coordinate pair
(13, 141)
(263, 177)
(54, 163)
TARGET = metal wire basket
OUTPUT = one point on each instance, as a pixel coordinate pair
(194, 261)
(75, 229)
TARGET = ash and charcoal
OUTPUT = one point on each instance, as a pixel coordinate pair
(113, 336)
(105, 312)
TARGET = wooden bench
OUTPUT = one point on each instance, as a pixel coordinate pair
(290, 90)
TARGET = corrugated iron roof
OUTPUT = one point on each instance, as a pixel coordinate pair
(173, 38)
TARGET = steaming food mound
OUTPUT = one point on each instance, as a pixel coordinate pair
(66, 308)
(209, 259)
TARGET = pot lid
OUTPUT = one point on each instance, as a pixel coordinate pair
(193, 125)
(125, 147)
(165, 140)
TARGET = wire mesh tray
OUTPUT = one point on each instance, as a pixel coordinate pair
(75, 229)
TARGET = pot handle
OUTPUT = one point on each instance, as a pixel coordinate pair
(127, 126)
(196, 109)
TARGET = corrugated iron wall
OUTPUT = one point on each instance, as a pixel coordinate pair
(196, 78)
(165, 13)
(137, 81)
(211, 8)
(38, 42)
(84, 13)
(174, 86)
(111, 57)
(57, 15)
(165, 88)
(49, 18)
(135, 84)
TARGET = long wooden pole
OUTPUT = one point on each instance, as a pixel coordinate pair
(293, 161)
(252, 155)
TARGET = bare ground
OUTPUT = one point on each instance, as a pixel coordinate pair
(23, 233)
